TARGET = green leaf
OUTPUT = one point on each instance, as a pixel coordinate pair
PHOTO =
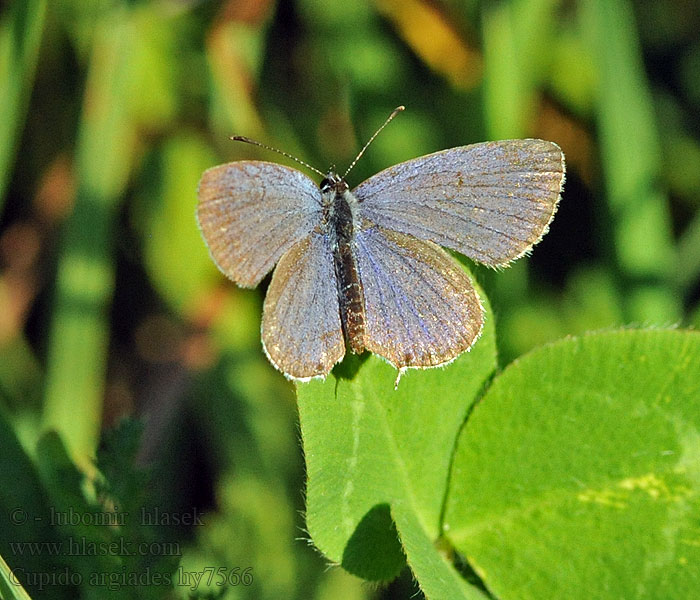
(577, 475)
(25, 515)
(369, 447)
(436, 575)
(65, 484)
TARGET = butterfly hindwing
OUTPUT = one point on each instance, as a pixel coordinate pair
(421, 309)
(301, 329)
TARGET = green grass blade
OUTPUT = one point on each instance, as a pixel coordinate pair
(517, 39)
(20, 36)
(504, 86)
(631, 157)
(85, 278)
(10, 588)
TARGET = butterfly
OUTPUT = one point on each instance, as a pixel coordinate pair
(364, 268)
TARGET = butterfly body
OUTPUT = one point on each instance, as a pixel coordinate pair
(364, 268)
(342, 221)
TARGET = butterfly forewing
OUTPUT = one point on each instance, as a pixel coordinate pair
(490, 201)
(252, 212)
(421, 309)
(301, 329)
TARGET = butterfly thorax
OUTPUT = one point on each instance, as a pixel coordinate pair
(341, 216)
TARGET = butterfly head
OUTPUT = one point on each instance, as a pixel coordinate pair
(333, 183)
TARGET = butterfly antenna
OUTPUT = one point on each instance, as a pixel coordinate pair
(395, 112)
(241, 138)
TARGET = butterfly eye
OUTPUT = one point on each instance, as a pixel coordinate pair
(333, 183)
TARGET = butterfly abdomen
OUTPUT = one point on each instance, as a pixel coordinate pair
(350, 297)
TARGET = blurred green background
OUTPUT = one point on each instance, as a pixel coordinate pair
(111, 308)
